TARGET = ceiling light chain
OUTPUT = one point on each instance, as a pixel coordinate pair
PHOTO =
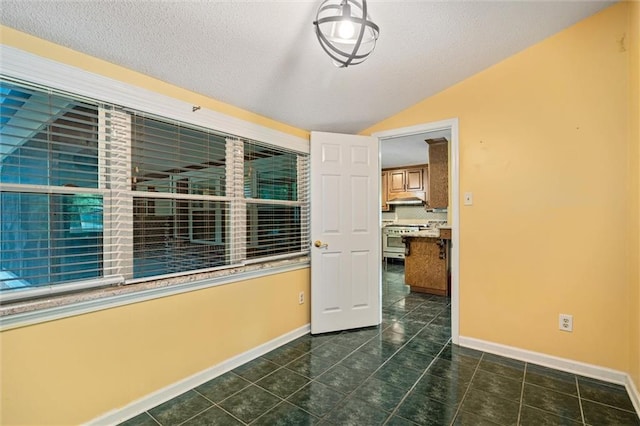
(345, 31)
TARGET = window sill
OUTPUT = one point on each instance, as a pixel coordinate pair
(21, 314)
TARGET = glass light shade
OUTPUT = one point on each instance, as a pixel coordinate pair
(345, 31)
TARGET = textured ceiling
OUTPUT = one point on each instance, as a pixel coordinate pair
(263, 55)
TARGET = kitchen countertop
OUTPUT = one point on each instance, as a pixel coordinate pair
(443, 232)
(427, 233)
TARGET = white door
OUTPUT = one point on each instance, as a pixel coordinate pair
(345, 232)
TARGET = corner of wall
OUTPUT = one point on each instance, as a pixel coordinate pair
(634, 196)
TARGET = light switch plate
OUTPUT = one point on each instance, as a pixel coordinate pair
(468, 198)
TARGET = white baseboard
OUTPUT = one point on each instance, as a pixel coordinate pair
(158, 397)
(563, 364)
(632, 390)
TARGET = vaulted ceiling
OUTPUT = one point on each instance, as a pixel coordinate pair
(263, 56)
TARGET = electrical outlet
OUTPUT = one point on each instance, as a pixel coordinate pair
(301, 298)
(565, 322)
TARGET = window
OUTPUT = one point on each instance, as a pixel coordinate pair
(91, 191)
(50, 205)
(274, 204)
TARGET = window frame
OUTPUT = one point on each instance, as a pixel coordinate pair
(49, 74)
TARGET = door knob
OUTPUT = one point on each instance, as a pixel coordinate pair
(319, 244)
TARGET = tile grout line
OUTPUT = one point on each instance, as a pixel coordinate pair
(153, 418)
(395, 410)
(475, 370)
(524, 376)
(580, 400)
(406, 395)
(347, 395)
(217, 405)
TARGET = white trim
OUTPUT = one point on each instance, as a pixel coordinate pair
(562, 364)
(80, 308)
(23, 65)
(454, 161)
(57, 289)
(632, 390)
(158, 397)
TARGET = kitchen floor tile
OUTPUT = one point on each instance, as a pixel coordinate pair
(605, 393)
(213, 416)
(143, 419)
(530, 416)
(249, 403)
(554, 402)
(491, 407)
(342, 378)
(596, 414)
(256, 369)
(355, 412)
(467, 419)
(180, 408)
(494, 384)
(398, 375)
(448, 391)
(551, 379)
(286, 414)
(380, 394)
(425, 411)
(283, 382)
(309, 365)
(316, 398)
(222, 386)
(507, 367)
(452, 370)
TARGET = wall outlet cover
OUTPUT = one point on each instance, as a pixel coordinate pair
(565, 322)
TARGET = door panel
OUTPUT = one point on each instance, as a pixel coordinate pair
(415, 180)
(396, 181)
(345, 268)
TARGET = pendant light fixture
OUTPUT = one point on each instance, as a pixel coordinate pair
(345, 31)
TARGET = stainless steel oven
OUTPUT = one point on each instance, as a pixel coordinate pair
(392, 245)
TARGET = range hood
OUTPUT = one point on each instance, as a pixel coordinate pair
(406, 201)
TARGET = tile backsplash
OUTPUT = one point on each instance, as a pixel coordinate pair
(413, 212)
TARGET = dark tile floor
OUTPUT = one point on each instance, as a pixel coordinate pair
(405, 372)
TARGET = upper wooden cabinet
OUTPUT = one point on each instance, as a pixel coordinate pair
(403, 183)
(406, 180)
(438, 173)
(384, 192)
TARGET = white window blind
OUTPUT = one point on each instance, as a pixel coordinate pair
(95, 194)
(181, 209)
(276, 187)
(53, 189)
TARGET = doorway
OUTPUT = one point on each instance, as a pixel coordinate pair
(450, 125)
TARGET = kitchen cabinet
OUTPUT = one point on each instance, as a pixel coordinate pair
(406, 183)
(406, 180)
(426, 266)
(438, 178)
(384, 192)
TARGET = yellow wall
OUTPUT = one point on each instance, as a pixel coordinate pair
(634, 196)
(73, 370)
(544, 147)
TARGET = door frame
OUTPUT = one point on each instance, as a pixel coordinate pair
(454, 196)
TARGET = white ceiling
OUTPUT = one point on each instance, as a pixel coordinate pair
(408, 150)
(263, 55)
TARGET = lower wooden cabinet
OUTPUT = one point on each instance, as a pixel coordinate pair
(424, 269)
